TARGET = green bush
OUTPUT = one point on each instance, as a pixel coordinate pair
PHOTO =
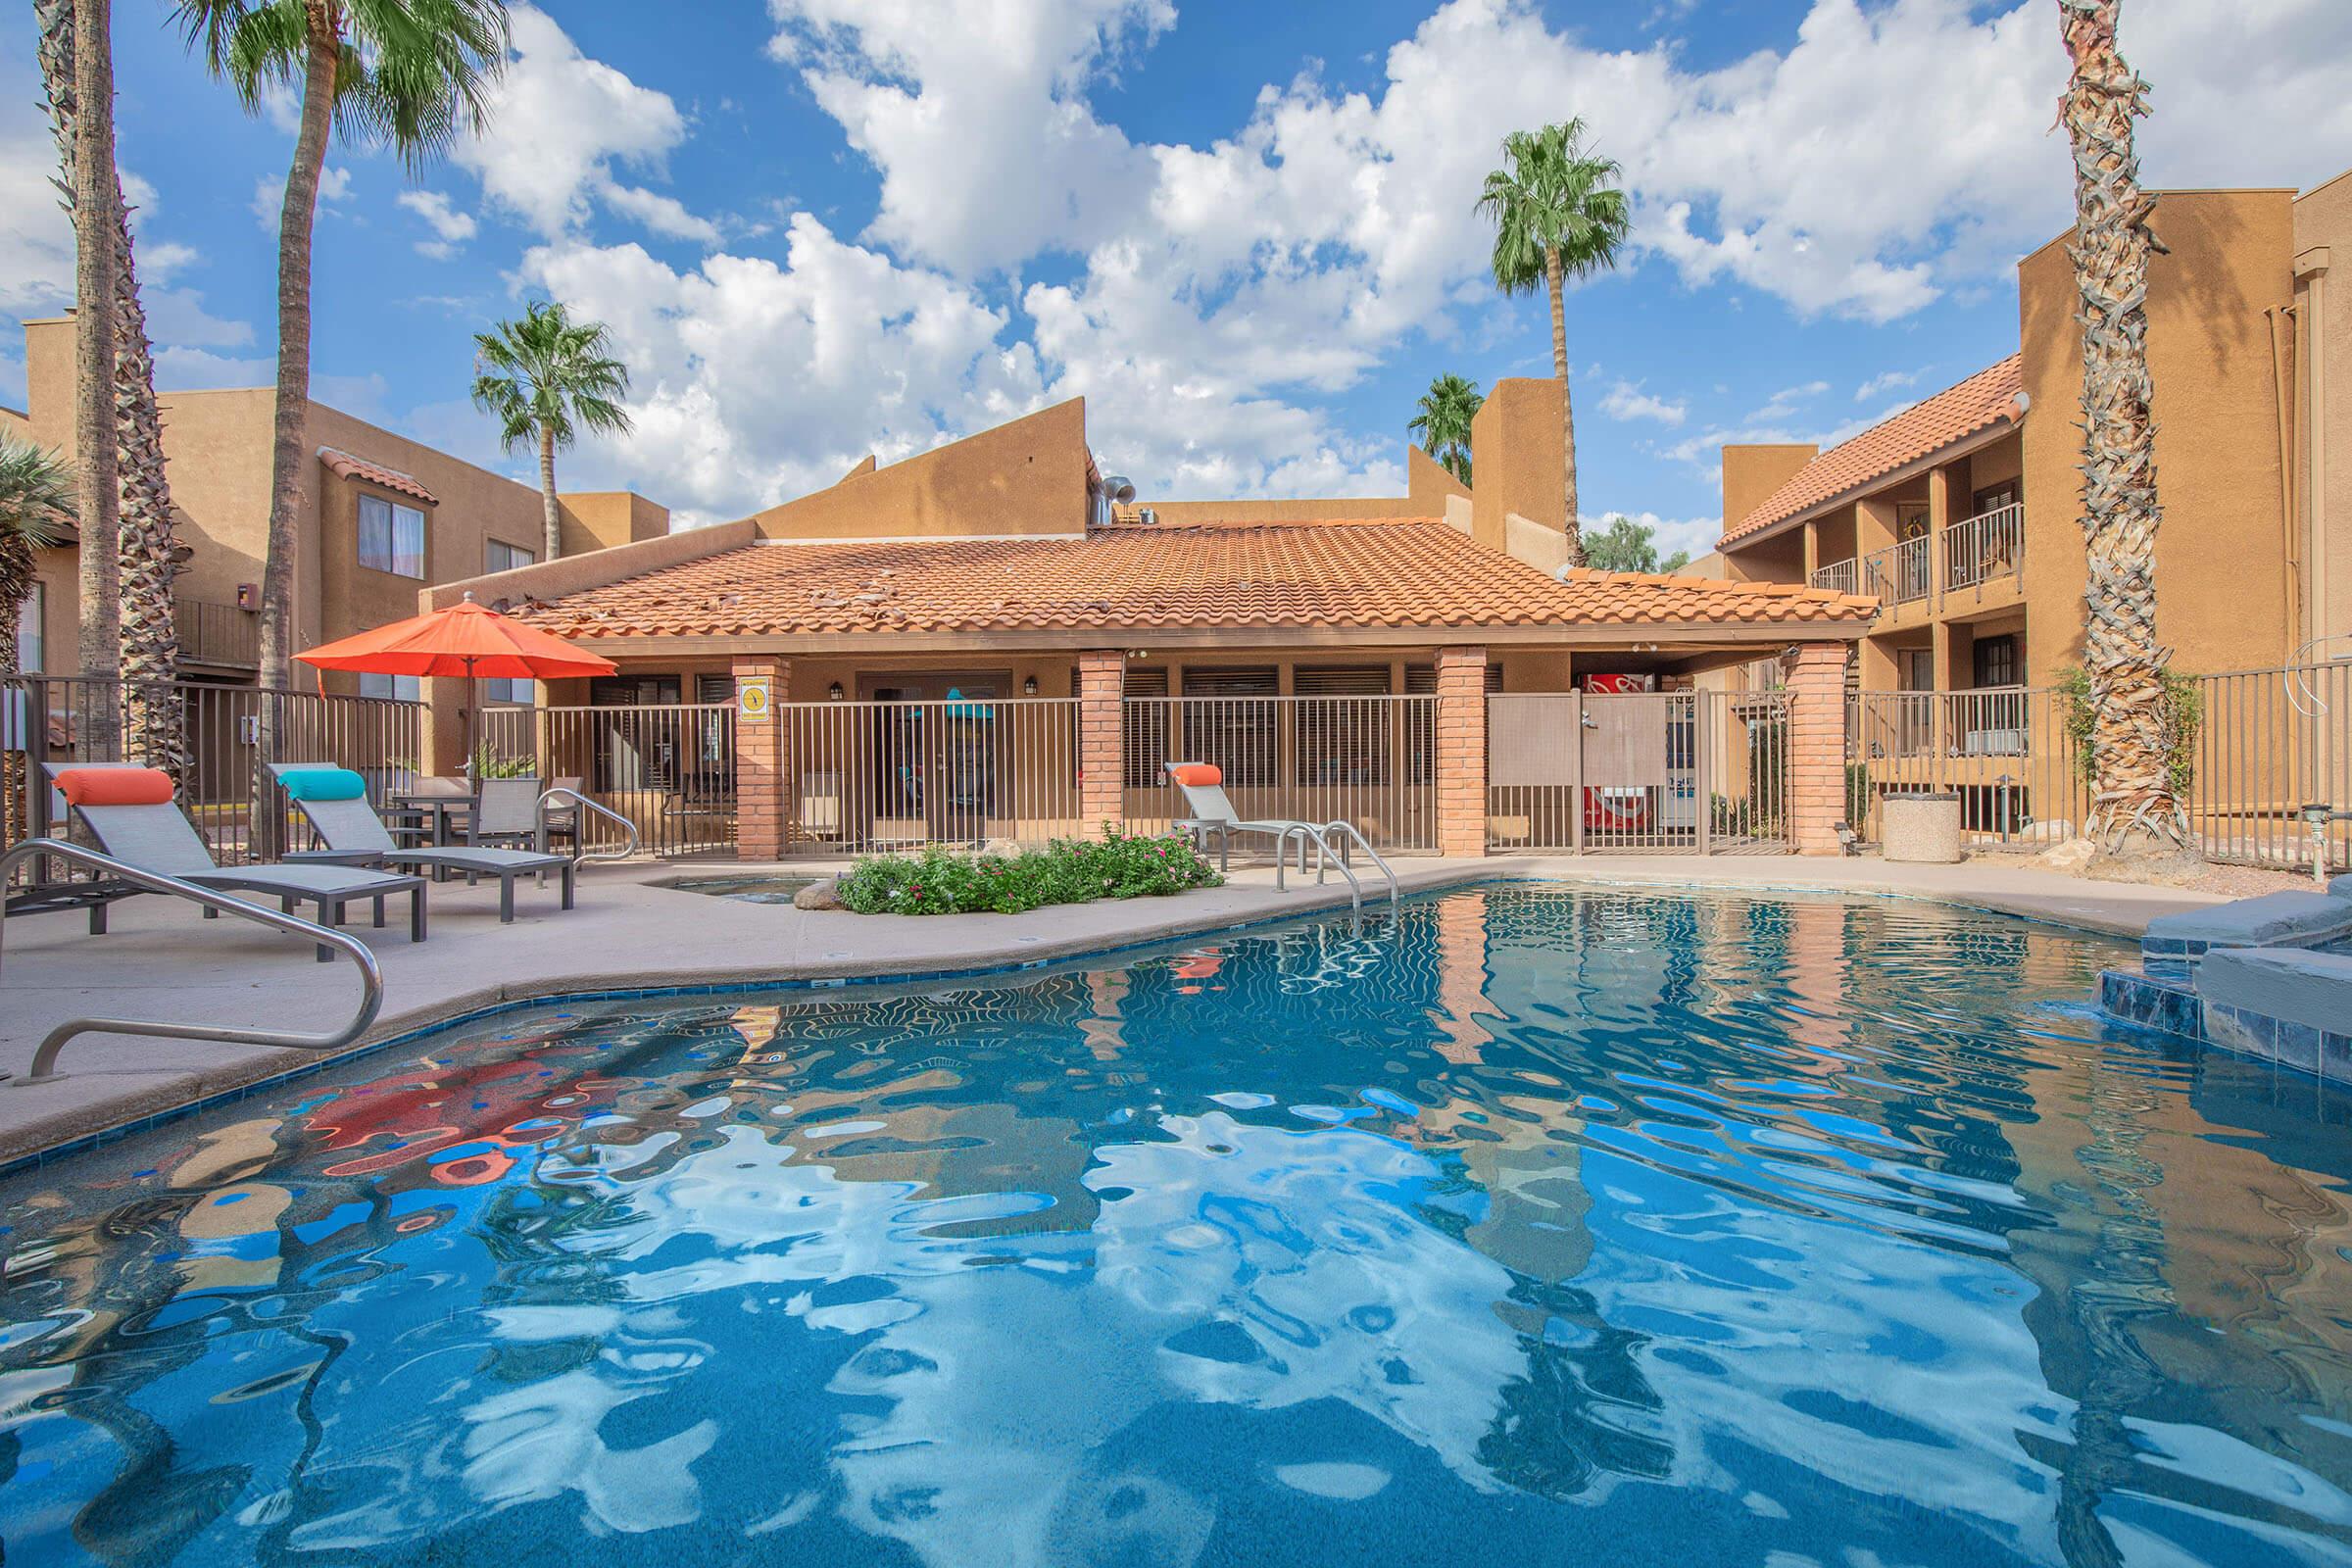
(939, 881)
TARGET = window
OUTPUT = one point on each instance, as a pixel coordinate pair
(1997, 660)
(29, 648)
(500, 556)
(1146, 729)
(1995, 496)
(391, 537)
(521, 691)
(403, 688)
(1229, 722)
(1342, 741)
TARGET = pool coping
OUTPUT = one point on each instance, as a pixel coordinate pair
(442, 1015)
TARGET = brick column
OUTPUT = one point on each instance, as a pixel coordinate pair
(1101, 753)
(1815, 675)
(762, 762)
(1461, 751)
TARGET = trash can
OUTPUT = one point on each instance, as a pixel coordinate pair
(1922, 829)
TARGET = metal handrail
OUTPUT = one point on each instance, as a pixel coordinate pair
(1326, 853)
(372, 977)
(627, 826)
(1357, 834)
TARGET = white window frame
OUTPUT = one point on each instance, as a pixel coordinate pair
(393, 514)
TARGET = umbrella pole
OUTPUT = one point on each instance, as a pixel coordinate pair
(474, 725)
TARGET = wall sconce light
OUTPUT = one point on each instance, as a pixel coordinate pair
(833, 692)
(1029, 686)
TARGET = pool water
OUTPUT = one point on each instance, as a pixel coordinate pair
(1527, 1227)
(748, 889)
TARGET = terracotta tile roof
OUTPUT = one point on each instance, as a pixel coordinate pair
(1984, 400)
(1382, 572)
(350, 466)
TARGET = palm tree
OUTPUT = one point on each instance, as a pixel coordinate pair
(1558, 213)
(2134, 808)
(91, 181)
(544, 378)
(147, 559)
(407, 73)
(1442, 420)
(37, 501)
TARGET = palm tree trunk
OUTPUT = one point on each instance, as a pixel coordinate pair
(547, 492)
(149, 633)
(2134, 811)
(1559, 364)
(287, 453)
(90, 179)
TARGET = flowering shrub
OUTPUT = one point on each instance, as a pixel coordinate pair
(939, 881)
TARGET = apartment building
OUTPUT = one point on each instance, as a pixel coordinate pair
(1959, 515)
(383, 516)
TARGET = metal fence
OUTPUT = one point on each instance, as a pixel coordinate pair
(2267, 743)
(1656, 772)
(668, 767)
(1370, 760)
(860, 778)
(1986, 548)
(2004, 751)
(228, 734)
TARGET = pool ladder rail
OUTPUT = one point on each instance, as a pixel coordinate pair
(627, 826)
(372, 976)
(1326, 853)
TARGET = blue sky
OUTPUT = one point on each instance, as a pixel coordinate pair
(1244, 233)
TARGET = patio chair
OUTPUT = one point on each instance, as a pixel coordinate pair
(506, 811)
(334, 801)
(131, 813)
(563, 820)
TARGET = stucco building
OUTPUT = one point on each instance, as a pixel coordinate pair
(1959, 515)
(382, 517)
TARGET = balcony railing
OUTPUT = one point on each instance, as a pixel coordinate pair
(1899, 573)
(1986, 548)
(223, 636)
(1976, 555)
(1839, 577)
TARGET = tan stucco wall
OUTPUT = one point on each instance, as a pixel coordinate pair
(1751, 473)
(598, 519)
(1515, 460)
(2323, 402)
(1302, 509)
(1025, 477)
(2221, 574)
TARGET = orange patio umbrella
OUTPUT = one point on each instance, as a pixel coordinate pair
(466, 641)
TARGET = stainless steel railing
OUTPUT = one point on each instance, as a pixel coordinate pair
(1838, 576)
(372, 978)
(1986, 546)
(628, 828)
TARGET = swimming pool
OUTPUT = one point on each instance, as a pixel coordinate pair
(1530, 1226)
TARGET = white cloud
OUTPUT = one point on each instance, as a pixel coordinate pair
(451, 227)
(1887, 381)
(754, 382)
(176, 316)
(976, 116)
(194, 370)
(558, 125)
(36, 242)
(1626, 401)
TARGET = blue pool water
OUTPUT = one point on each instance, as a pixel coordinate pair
(1531, 1228)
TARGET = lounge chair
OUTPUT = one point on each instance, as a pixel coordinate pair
(1203, 787)
(132, 813)
(334, 801)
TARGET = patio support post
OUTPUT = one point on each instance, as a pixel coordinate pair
(1101, 762)
(1815, 677)
(763, 761)
(1461, 751)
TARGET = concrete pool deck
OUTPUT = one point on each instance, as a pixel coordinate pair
(632, 931)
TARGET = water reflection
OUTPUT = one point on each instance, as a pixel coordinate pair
(1708, 1229)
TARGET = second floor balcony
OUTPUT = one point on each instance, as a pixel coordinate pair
(217, 636)
(1979, 557)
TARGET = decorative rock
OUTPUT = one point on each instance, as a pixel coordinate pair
(2071, 857)
(821, 895)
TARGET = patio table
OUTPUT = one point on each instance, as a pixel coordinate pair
(442, 814)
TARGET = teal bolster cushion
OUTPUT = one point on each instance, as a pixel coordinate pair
(323, 784)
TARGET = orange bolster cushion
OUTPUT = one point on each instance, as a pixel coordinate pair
(1198, 773)
(115, 786)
